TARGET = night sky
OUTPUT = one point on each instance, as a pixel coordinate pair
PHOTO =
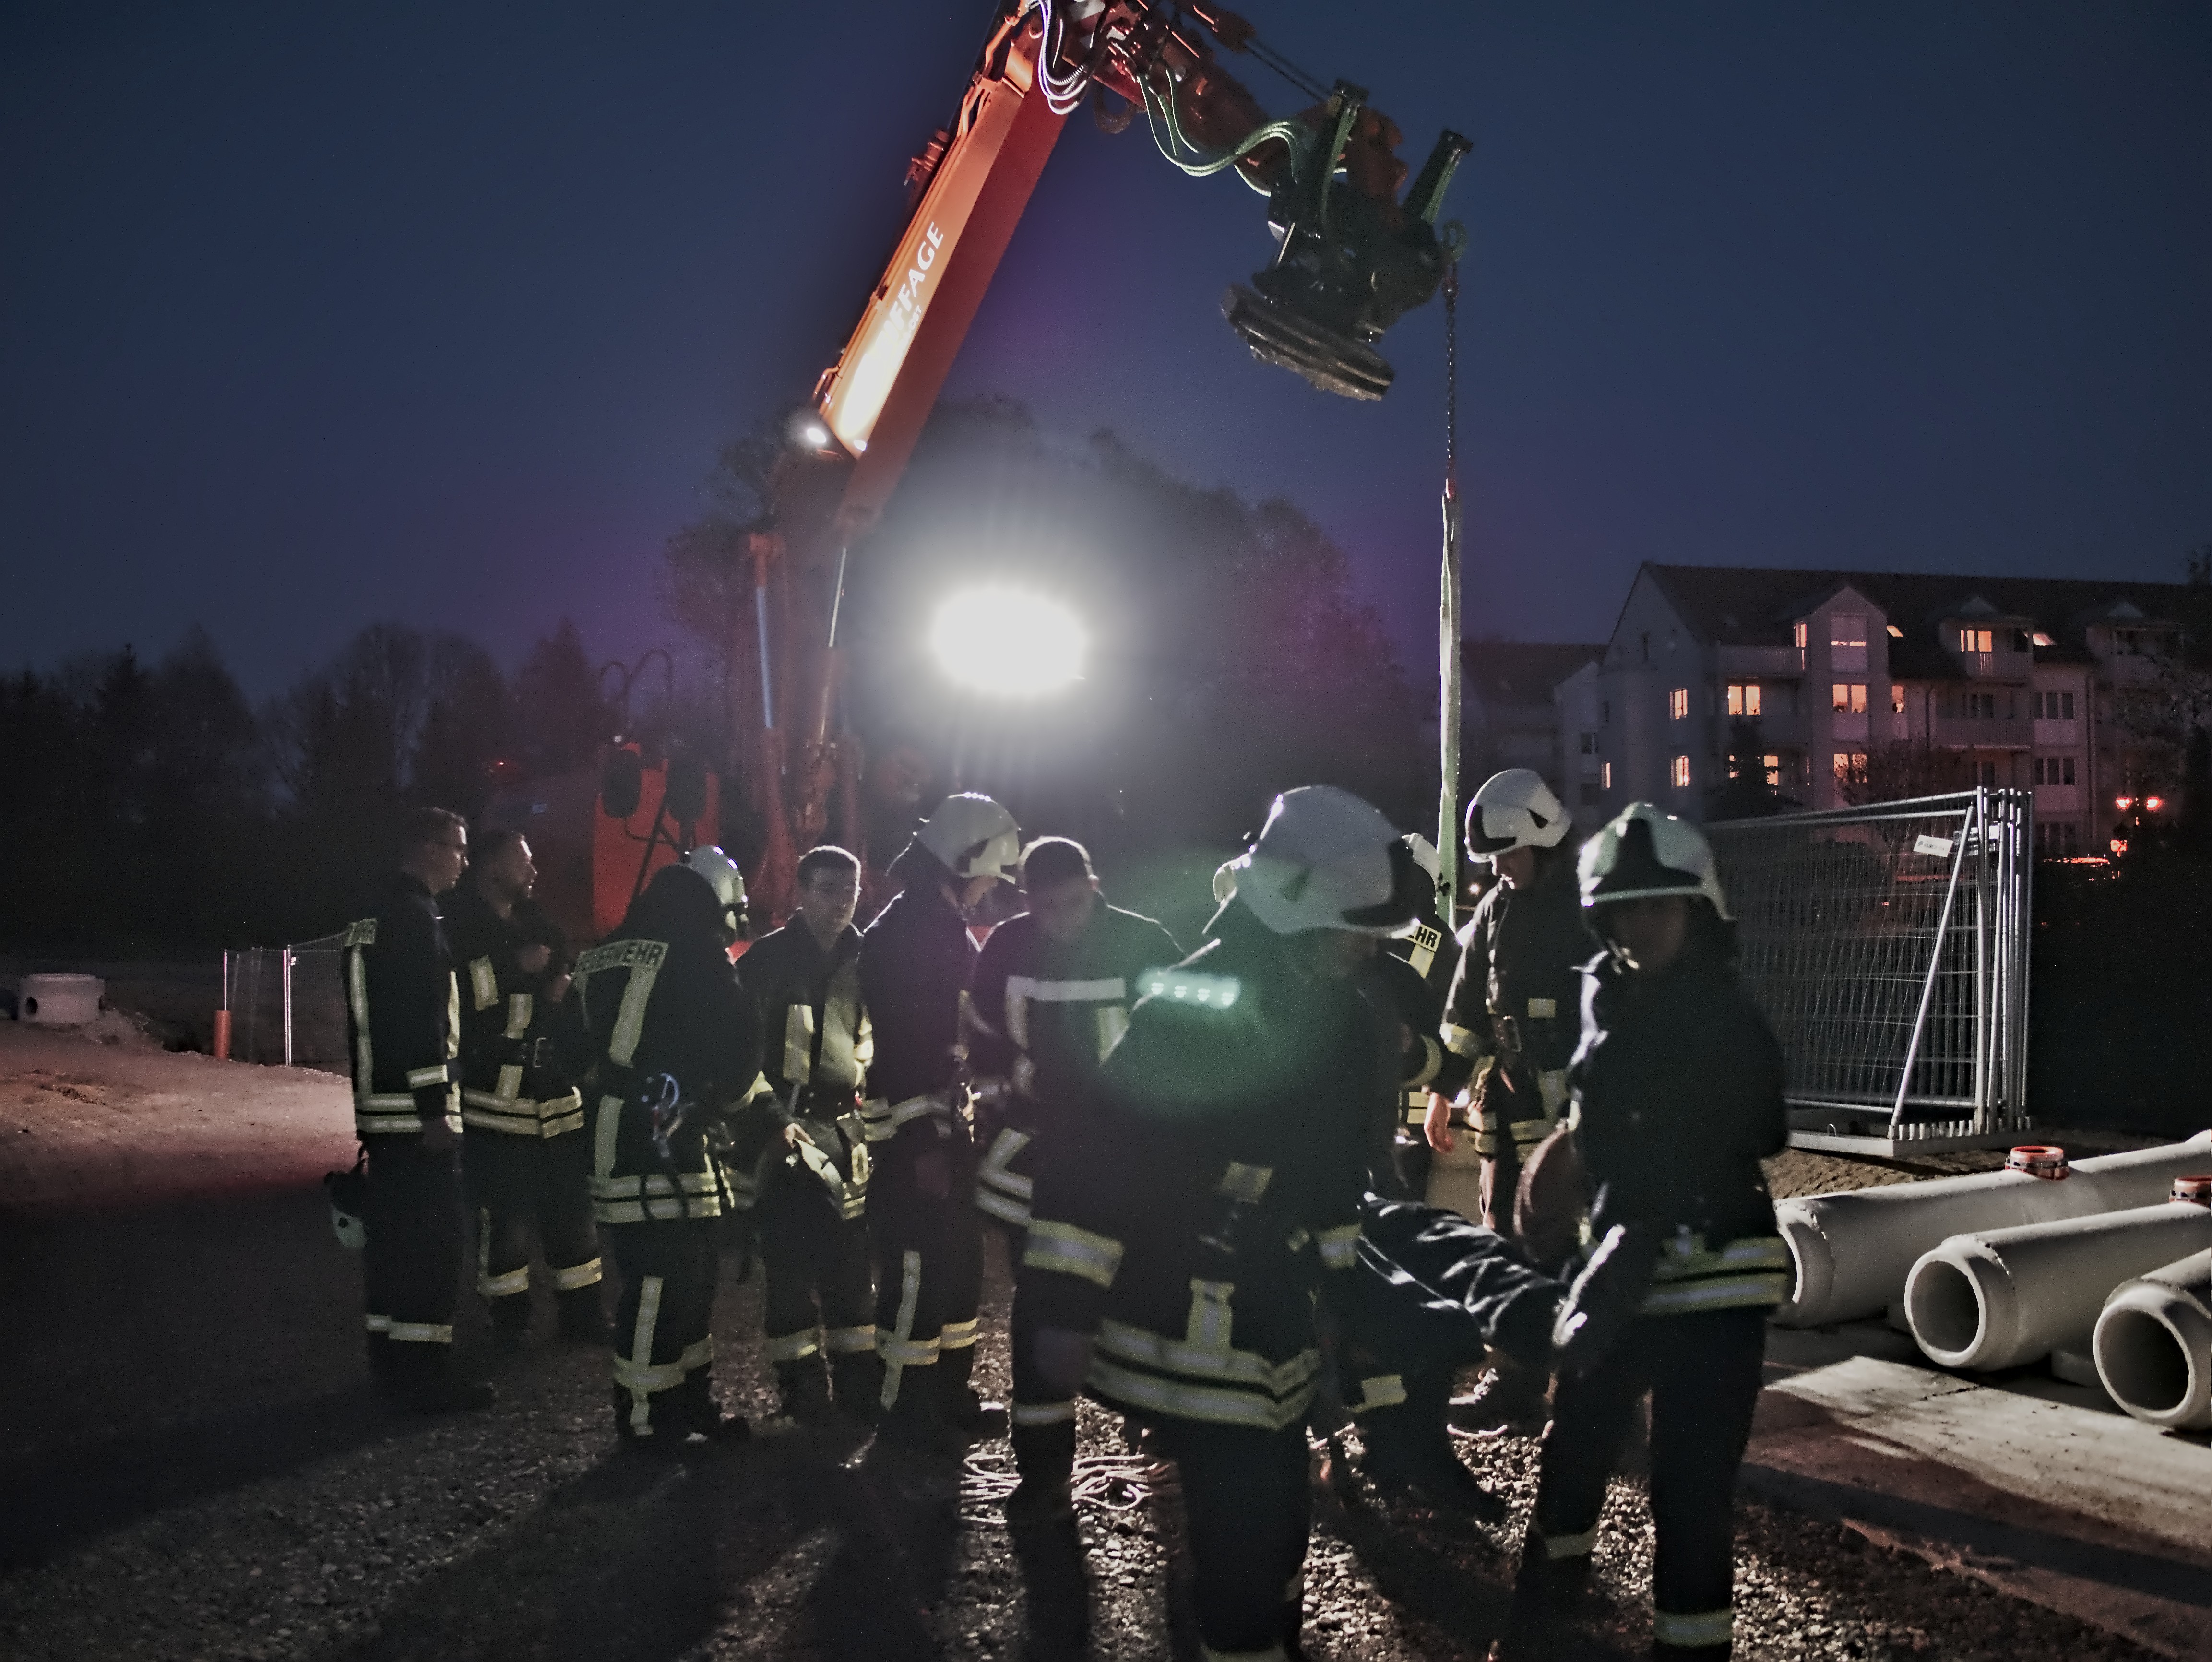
(314, 314)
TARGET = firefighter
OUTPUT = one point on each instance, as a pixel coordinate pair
(804, 979)
(525, 1157)
(1052, 994)
(1184, 1232)
(678, 1054)
(1509, 1019)
(1678, 1089)
(915, 963)
(401, 1031)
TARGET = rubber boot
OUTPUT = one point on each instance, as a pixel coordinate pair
(856, 1386)
(1409, 1449)
(913, 1422)
(962, 1407)
(510, 1320)
(583, 1320)
(1542, 1588)
(803, 1391)
(422, 1380)
(1044, 1456)
(380, 1361)
(703, 1413)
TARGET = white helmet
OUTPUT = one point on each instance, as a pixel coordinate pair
(723, 877)
(1647, 853)
(972, 837)
(1515, 810)
(1425, 855)
(1326, 859)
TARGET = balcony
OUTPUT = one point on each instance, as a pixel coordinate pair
(1748, 662)
(1997, 666)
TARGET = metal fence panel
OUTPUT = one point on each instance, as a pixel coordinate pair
(1888, 946)
(287, 1005)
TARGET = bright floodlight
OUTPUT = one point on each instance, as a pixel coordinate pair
(1007, 642)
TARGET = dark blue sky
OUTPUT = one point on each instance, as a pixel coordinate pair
(315, 314)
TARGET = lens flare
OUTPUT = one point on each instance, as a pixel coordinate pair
(1007, 642)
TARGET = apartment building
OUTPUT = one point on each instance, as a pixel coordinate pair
(1533, 705)
(1833, 686)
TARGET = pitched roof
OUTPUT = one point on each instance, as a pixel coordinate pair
(1755, 605)
(1521, 671)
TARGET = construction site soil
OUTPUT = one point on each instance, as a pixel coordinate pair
(193, 1466)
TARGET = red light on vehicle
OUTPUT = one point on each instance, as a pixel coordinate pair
(2123, 802)
(2119, 845)
(2154, 803)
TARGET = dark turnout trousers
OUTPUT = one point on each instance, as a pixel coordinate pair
(929, 1279)
(663, 1356)
(411, 1261)
(818, 1297)
(1248, 1507)
(1703, 1372)
(523, 1186)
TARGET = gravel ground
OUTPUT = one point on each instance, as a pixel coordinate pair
(257, 1523)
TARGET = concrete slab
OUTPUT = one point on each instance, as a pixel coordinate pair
(87, 1125)
(2038, 1487)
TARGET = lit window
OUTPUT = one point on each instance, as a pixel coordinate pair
(1847, 641)
(2042, 639)
(1798, 635)
(1681, 772)
(1851, 766)
(1896, 633)
(1605, 774)
(1850, 697)
(1977, 641)
(1773, 766)
(1743, 698)
(1897, 698)
(1678, 703)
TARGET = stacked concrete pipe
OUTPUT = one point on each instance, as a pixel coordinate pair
(1999, 1298)
(2154, 1344)
(1854, 1251)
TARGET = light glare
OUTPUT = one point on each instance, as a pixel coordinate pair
(1007, 642)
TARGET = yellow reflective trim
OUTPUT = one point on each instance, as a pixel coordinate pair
(1035, 1414)
(629, 1015)
(1193, 1402)
(1113, 1023)
(1685, 1257)
(1244, 1368)
(1690, 1632)
(956, 1335)
(1339, 1246)
(798, 1043)
(1381, 1391)
(376, 1324)
(897, 1346)
(1721, 1293)
(993, 1205)
(577, 1277)
(1208, 1327)
(605, 1136)
(504, 1286)
(483, 983)
(792, 1347)
(424, 1078)
(420, 1333)
(1557, 1547)
(364, 1067)
(849, 1341)
(1432, 1063)
(1243, 1182)
(1072, 1252)
(519, 1006)
(636, 1371)
(1463, 1041)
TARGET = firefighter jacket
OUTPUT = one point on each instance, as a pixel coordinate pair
(1431, 948)
(1211, 1187)
(515, 1053)
(816, 1044)
(659, 997)
(915, 963)
(401, 1014)
(1415, 1014)
(1678, 1083)
(1042, 1014)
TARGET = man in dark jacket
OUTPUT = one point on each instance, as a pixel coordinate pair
(811, 1165)
(1678, 1081)
(678, 1053)
(401, 1030)
(915, 963)
(1184, 1235)
(1050, 999)
(527, 1159)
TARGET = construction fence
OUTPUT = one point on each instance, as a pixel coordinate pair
(287, 1004)
(1888, 946)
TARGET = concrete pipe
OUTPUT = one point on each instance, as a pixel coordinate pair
(60, 1001)
(1854, 1250)
(1998, 1298)
(2154, 1344)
